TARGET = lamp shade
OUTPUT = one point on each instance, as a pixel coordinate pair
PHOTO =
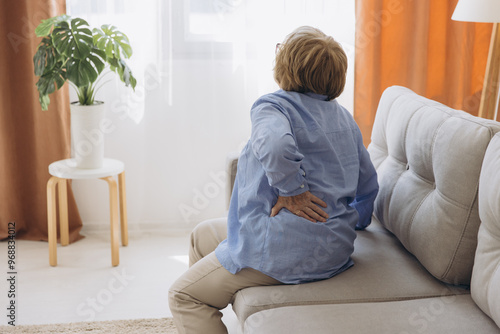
(477, 11)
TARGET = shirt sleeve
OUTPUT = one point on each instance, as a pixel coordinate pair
(275, 147)
(367, 187)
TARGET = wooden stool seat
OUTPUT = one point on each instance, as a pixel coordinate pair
(64, 170)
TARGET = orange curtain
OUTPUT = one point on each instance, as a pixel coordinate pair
(30, 139)
(416, 44)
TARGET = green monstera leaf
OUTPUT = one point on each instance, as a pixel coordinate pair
(44, 28)
(73, 39)
(83, 72)
(112, 41)
(48, 82)
(119, 66)
(45, 56)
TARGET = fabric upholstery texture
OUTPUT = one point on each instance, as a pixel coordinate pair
(452, 314)
(428, 159)
(383, 271)
(231, 169)
(485, 285)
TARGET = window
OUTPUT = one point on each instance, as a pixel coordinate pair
(200, 65)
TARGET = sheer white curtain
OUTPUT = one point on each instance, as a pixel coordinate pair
(200, 65)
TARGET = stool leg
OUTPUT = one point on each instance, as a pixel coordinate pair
(113, 208)
(123, 208)
(63, 211)
(51, 219)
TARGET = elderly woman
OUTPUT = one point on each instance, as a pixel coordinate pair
(305, 182)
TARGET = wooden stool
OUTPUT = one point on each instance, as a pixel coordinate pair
(61, 172)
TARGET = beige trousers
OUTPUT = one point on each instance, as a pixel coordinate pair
(197, 297)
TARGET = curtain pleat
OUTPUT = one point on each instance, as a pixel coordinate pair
(30, 139)
(416, 44)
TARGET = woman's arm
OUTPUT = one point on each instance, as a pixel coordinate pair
(274, 146)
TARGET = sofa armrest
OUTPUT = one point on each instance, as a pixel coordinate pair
(231, 169)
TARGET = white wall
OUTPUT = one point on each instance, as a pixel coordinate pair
(191, 107)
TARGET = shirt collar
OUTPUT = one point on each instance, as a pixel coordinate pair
(317, 96)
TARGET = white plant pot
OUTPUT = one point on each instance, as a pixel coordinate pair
(87, 137)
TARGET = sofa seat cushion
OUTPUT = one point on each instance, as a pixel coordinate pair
(485, 286)
(383, 271)
(428, 159)
(452, 314)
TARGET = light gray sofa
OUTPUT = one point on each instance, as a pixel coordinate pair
(438, 175)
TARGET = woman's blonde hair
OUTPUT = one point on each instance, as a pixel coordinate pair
(310, 61)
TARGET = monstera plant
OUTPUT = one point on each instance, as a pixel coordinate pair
(71, 51)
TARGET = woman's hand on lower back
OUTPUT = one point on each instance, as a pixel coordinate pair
(305, 205)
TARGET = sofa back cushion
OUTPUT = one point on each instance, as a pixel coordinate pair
(428, 159)
(485, 285)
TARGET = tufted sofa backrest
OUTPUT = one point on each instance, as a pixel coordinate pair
(485, 285)
(428, 159)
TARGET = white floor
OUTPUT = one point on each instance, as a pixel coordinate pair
(85, 287)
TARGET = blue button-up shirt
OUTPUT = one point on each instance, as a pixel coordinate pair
(299, 142)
